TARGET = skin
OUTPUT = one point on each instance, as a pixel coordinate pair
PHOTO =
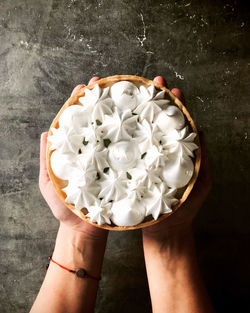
(173, 274)
(174, 280)
(78, 245)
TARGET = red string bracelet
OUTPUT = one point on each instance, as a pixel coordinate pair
(80, 272)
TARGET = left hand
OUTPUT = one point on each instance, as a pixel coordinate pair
(65, 216)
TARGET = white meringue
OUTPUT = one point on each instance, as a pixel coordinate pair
(180, 142)
(151, 104)
(100, 212)
(171, 118)
(113, 186)
(151, 94)
(154, 157)
(160, 200)
(118, 126)
(124, 94)
(91, 97)
(91, 134)
(65, 140)
(123, 155)
(124, 151)
(146, 93)
(73, 115)
(137, 182)
(95, 104)
(153, 177)
(143, 179)
(101, 159)
(62, 164)
(148, 111)
(127, 212)
(101, 108)
(83, 175)
(145, 135)
(178, 171)
(81, 196)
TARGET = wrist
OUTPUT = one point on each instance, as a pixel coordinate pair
(77, 249)
(171, 239)
(86, 232)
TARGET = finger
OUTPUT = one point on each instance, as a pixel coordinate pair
(43, 175)
(78, 87)
(160, 80)
(178, 94)
(93, 79)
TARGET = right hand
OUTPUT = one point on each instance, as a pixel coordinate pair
(181, 220)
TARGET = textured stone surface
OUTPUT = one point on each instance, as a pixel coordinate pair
(49, 46)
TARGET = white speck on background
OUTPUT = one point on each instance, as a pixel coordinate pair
(179, 75)
(91, 49)
(24, 43)
(242, 24)
(100, 3)
(245, 137)
(71, 3)
(200, 99)
(204, 21)
(143, 37)
(187, 5)
(228, 6)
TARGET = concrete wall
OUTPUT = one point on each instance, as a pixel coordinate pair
(49, 46)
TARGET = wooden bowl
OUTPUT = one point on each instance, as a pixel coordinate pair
(105, 82)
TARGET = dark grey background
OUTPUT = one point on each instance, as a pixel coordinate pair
(49, 46)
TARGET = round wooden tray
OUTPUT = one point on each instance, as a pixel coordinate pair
(105, 82)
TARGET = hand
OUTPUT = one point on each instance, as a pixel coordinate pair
(181, 220)
(65, 216)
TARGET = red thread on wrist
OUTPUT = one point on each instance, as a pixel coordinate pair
(65, 268)
(82, 273)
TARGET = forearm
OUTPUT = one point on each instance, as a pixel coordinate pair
(63, 291)
(174, 279)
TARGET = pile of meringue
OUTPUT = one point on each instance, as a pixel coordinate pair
(124, 151)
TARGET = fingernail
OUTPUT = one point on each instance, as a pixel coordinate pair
(44, 134)
(93, 79)
(78, 87)
(178, 94)
(160, 80)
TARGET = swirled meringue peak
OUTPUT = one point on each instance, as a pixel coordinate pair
(123, 155)
(124, 151)
(124, 95)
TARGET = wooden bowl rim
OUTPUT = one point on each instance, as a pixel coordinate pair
(105, 82)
